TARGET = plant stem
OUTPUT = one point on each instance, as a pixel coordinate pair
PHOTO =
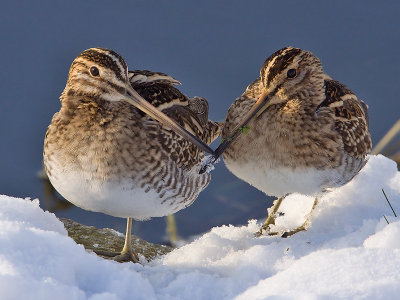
(389, 203)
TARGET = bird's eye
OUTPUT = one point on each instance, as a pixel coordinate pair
(291, 73)
(94, 71)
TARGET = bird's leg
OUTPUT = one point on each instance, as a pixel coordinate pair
(271, 218)
(172, 230)
(127, 253)
(305, 225)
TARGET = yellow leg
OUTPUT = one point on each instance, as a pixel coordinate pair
(305, 225)
(127, 253)
(172, 230)
(271, 218)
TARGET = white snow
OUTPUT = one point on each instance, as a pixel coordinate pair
(348, 252)
(208, 163)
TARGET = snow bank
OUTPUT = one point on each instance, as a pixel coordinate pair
(349, 252)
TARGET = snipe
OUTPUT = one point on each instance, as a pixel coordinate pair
(109, 150)
(295, 129)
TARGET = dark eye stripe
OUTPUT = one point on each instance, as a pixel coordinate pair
(89, 83)
(117, 87)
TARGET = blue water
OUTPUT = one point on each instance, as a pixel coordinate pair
(215, 49)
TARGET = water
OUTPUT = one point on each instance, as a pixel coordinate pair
(214, 49)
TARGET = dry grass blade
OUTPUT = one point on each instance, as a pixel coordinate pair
(386, 219)
(389, 203)
(386, 140)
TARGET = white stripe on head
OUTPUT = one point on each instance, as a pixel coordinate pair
(272, 62)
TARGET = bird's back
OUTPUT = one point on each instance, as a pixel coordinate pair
(192, 114)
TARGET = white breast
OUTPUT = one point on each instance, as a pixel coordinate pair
(281, 181)
(116, 198)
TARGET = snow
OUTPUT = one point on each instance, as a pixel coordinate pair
(348, 252)
(208, 164)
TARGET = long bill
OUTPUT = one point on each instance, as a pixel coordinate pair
(132, 97)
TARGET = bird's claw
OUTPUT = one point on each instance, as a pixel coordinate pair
(126, 256)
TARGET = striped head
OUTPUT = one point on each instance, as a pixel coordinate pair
(291, 78)
(292, 72)
(98, 73)
(101, 75)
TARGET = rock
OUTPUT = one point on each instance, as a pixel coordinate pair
(107, 239)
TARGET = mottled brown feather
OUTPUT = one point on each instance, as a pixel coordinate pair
(104, 139)
(311, 124)
(192, 114)
(350, 115)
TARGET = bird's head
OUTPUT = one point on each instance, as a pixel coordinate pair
(290, 73)
(99, 74)
(102, 75)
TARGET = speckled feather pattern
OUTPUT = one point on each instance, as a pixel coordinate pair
(114, 143)
(314, 125)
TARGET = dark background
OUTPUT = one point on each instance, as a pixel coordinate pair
(215, 48)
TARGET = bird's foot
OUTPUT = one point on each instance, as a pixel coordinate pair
(289, 233)
(303, 227)
(124, 256)
(285, 234)
(265, 228)
(272, 213)
(271, 221)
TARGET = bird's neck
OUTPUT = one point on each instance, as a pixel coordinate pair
(75, 103)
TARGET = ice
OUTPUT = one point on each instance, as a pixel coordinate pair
(208, 164)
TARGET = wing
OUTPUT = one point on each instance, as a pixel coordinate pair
(157, 88)
(199, 106)
(192, 114)
(194, 118)
(351, 117)
(145, 76)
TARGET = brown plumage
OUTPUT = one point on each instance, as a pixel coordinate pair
(307, 132)
(105, 155)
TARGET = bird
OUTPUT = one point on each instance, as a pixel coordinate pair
(295, 130)
(127, 143)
